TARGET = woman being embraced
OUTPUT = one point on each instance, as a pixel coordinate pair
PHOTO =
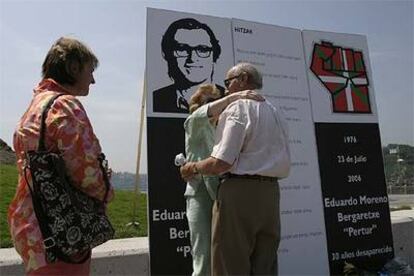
(206, 106)
(67, 69)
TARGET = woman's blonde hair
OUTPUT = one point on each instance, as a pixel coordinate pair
(205, 93)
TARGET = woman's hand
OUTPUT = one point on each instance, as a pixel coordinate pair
(215, 108)
(248, 94)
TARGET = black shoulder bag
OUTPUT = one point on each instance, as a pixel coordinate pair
(71, 222)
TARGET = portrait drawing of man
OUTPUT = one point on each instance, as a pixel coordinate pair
(191, 50)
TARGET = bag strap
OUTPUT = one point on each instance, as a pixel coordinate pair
(104, 168)
(41, 145)
(35, 200)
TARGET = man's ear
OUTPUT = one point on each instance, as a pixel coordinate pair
(244, 80)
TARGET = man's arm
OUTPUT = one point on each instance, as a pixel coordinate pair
(229, 140)
(215, 108)
(209, 166)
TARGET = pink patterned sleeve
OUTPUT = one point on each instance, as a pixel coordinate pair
(70, 131)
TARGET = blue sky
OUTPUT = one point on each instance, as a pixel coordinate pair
(116, 31)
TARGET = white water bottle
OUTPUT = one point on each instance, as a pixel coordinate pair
(180, 160)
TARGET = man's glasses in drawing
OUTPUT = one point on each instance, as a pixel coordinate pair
(184, 50)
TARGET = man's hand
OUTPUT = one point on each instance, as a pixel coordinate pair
(188, 171)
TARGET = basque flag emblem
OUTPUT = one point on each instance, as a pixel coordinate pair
(342, 71)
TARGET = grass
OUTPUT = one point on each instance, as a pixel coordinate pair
(120, 210)
(8, 181)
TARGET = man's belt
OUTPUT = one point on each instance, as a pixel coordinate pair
(248, 176)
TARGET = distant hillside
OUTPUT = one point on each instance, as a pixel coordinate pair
(126, 181)
(7, 155)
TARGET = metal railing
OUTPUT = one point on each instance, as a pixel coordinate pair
(403, 190)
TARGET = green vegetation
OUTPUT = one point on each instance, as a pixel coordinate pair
(120, 209)
(121, 212)
(8, 182)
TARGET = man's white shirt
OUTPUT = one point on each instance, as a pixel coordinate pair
(253, 137)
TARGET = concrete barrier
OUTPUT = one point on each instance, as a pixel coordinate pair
(115, 257)
(403, 235)
(130, 256)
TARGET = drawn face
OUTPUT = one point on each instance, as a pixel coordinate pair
(194, 54)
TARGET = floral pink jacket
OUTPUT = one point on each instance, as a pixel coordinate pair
(68, 131)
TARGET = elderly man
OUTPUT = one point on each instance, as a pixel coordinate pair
(191, 50)
(251, 153)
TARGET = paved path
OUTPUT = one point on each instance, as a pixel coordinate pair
(401, 200)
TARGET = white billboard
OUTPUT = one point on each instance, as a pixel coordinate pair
(322, 83)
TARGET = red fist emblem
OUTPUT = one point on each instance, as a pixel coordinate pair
(342, 72)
